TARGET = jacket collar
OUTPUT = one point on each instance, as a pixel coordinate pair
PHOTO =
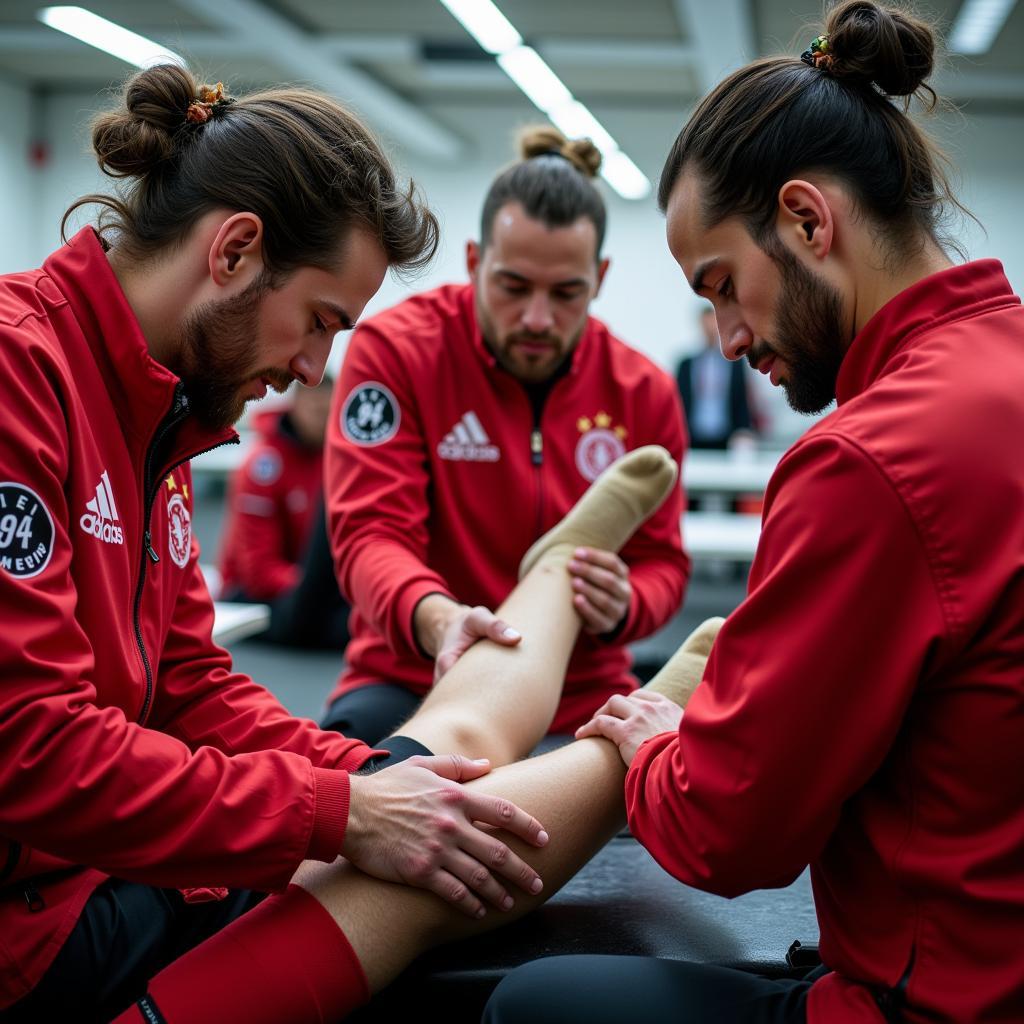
(950, 295)
(467, 305)
(141, 389)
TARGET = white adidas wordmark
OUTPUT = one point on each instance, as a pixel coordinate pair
(468, 442)
(100, 517)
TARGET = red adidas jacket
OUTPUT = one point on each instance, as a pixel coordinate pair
(863, 709)
(438, 480)
(129, 746)
(272, 501)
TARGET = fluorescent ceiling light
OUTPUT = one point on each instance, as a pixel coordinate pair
(624, 176)
(105, 35)
(575, 121)
(544, 88)
(486, 24)
(496, 34)
(977, 24)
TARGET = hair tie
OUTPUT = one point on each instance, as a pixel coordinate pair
(205, 106)
(818, 55)
(552, 152)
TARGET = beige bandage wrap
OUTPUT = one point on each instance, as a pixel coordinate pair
(627, 493)
(680, 675)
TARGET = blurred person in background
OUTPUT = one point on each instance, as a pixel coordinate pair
(714, 393)
(274, 547)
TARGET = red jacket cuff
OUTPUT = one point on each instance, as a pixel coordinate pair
(330, 813)
(406, 605)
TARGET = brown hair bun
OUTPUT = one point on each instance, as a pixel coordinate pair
(881, 44)
(144, 132)
(544, 139)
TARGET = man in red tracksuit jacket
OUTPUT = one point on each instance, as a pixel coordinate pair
(271, 508)
(863, 710)
(135, 761)
(274, 547)
(467, 421)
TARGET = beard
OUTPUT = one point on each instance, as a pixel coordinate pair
(218, 356)
(527, 368)
(808, 333)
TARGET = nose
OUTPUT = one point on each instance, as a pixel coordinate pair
(537, 318)
(308, 365)
(735, 337)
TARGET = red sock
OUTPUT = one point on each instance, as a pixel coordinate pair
(285, 960)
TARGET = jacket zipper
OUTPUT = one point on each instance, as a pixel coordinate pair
(537, 459)
(33, 899)
(178, 412)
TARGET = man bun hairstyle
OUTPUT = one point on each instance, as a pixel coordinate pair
(881, 46)
(833, 113)
(304, 164)
(553, 180)
(543, 140)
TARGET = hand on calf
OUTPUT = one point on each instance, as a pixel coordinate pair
(601, 589)
(414, 823)
(630, 720)
(464, 629)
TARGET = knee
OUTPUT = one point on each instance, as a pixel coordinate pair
(474, 736)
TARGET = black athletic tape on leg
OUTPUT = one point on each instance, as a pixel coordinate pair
(399, 748)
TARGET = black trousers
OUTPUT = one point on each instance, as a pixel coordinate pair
(372, 712)
(128, 932)
(613, 989)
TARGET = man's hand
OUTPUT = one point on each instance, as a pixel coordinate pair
(601, 589)
(414, 823)
(447, 630)
(629, 720)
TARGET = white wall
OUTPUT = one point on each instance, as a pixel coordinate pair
(644, 299)
(18, 180)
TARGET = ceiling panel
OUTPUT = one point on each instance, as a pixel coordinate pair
(608, 52)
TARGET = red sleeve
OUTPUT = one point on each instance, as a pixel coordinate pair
(807, 684)
(201, 701)
(82, 782)
(376, 492)
(255, 512)
(659, 568)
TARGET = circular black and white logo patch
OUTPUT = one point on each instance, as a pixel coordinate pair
(26, 531)
(370, 415)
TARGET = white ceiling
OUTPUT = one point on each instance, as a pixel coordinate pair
(401, 62)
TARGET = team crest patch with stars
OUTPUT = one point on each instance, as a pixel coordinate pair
(26, 531)
(370, 415)
(179, 530)
(600, 444)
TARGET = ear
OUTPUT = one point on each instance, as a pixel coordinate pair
(236, 254)
(472, 259)
(602, 269)
(805, 221)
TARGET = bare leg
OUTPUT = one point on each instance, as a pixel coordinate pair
(318, 951)
(575, 791)
(497, 702)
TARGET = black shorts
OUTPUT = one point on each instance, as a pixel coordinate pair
(128, 932)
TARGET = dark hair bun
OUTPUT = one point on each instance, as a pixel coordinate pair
(133, 140)
(880, 44)
(544, 139)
